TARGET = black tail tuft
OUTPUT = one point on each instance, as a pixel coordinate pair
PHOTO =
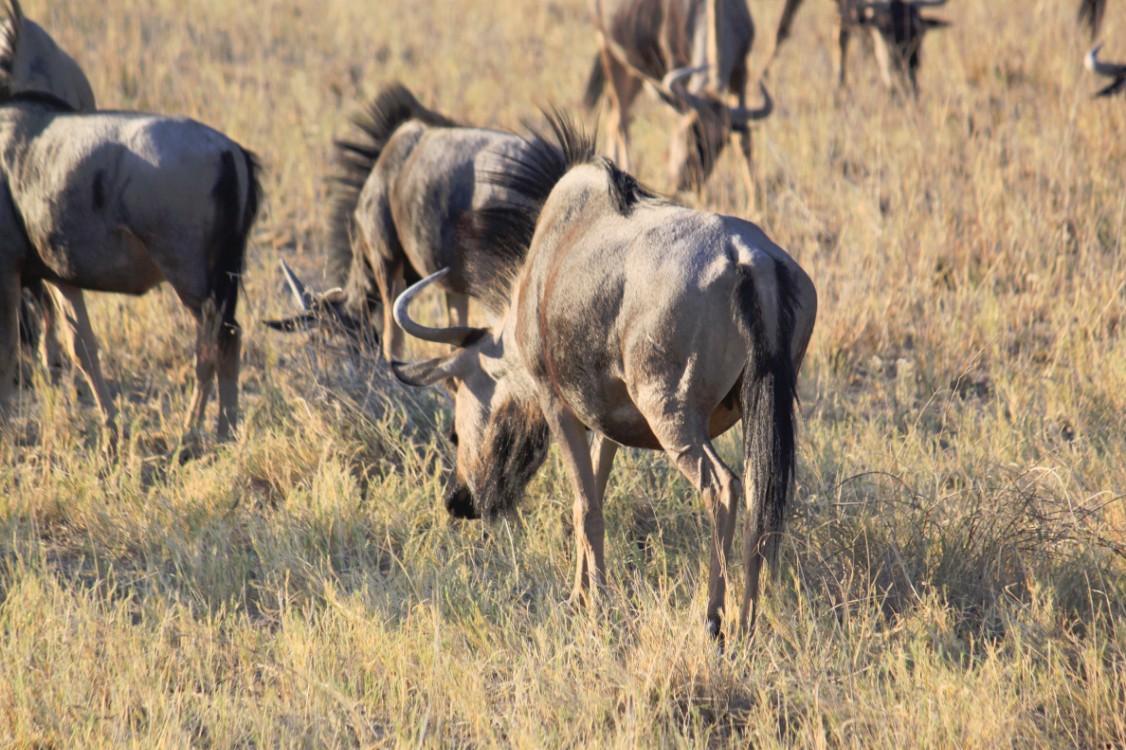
(595, 84)
(769, 398)
(230, 234)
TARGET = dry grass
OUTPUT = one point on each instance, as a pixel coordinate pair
(955, 573)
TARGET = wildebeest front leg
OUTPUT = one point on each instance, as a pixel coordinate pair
(602, 452)
(842, 54)
(9, 338)
(83, 348)
(744, 136)
(623, 89)
(589, 526)
(457, 309)
(389, 279)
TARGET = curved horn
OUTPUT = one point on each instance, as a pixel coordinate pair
(454, 335)
(1093, 64)
(301, 293)
(673, 86)
(742, 115)
(928, 3)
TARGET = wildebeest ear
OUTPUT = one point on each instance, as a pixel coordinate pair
(936, 23)
(430, 371)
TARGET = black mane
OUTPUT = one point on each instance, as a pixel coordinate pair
(394, 106)
(497, 238)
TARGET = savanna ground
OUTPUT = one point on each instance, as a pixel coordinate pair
(955, 568)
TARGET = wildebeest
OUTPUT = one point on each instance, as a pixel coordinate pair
(118, 202)
(1115, 71)
(649, 324)
(32, 61)
(897, 29)
(694, 54)
(401, 191)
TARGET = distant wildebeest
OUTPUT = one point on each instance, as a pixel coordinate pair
(32, 61)
(1115, 71)
(652, 325)
(897, 29)
(118, 202)
(694, 54)
(400, 193)
(1091, 14)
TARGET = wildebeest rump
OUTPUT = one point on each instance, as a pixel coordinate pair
(652, 325)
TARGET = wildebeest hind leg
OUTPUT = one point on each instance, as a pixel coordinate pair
(83, 347)
(208, 323)
(9, 338)
(589, 526)
(50, 349)
(688, 445)
(229, 350)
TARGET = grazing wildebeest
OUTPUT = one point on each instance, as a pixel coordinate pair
(694, 54)
(1091, 15)
(897, 29)
(649, 324)
(401, 191)
(118, 202)
(32, 61)
(1116, 71)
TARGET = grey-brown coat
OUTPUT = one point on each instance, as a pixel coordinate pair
(649, 324)
(118, 202)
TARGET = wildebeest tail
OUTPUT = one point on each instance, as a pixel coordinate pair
(234, 217)
(769, 398)
(356, 157)
(595, 84)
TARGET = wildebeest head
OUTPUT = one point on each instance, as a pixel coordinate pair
(30, 60)
(500, 433)
(1115, 71)
(902, 25)
(705, 127)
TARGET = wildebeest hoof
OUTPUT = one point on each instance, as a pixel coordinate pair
(715, 630)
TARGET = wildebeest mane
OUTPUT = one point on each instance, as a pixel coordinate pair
(496, 238)
(356, 157)
(11, 41)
